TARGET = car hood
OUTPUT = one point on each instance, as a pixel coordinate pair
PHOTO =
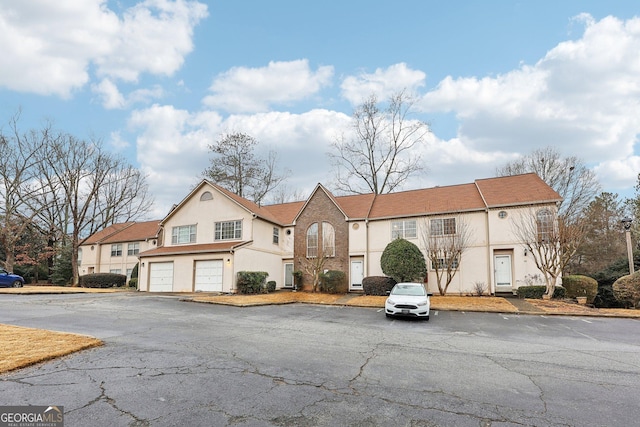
(407, 299)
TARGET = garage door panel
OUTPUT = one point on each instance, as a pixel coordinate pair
(209, 276)
(161, 276)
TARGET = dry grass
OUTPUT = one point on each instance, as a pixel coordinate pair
(437, 302)
(581, 310)
(269, 299)
(59, 290)
(22, 347)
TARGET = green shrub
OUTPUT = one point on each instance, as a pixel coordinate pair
(133, 282)
(333, 282)
(606, 298)
(536, 292)
(134, 272)
(103, 280)
(403, 261)
(580, 286)
(297, 279)
(627, 290)
(251, 282)
(377, 285)
(271, 285)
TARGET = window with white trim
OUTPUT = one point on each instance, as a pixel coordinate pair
(133, 248)
(442, 264)
(403, 229)
(228, 230)
(328, 240)
(183, 234)
(544, 223)
(116, 250)
(312, 240)
(115, 271)
(276, 235)
(443, 227)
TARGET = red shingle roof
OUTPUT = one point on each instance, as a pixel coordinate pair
(125, 232)
(192, 249)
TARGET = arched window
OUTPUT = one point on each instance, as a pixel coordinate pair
(206, 196)
(328, 240)
(544, 223)
(312, 240)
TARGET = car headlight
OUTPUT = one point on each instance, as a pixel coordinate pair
(421, 304)
(390, 302)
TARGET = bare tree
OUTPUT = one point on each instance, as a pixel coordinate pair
(18, 169)
(568, 176)
(381, 155)
(236, 167)
(445, 240)
(91, 188)
(551, 239)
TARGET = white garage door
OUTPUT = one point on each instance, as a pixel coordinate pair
(209, 276)
(161, 277)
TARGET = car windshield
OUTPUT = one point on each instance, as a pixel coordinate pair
(411, 290)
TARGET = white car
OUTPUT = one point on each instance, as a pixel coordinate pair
(408, 299)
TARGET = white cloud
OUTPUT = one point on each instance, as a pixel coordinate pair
(111, 98)
(582, 97)
(382, 83)
(244, 89)
(173, 145)
(109, 94)
(48, 47)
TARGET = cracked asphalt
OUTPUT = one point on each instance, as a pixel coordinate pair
(167, 362)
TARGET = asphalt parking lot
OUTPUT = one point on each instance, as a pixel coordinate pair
(167, 362)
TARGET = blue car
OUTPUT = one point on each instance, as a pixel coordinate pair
(10, 280)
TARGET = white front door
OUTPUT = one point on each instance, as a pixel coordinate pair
(503, 273)
(356, 275)
(161, 277)
(288, 275)
(209, 276)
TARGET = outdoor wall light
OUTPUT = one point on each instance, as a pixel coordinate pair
(525, 251)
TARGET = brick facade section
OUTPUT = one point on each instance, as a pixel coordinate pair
(321, 208)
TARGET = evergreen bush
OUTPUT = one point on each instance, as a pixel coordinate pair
(627, 290)
(334, 282)
(251, 282)
(377, 285)
(403, 261)
(103, 280)
(580, 286)
(536, 292)
(271, 285)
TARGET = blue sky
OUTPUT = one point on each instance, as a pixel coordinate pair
(160, 80)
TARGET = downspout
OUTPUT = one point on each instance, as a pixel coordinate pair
(492, 290)
(366, 237)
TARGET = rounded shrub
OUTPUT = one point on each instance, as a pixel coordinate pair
(403, 261)
(271, 285)
(627, 290)
(377, 285)
(333, 282)
(252, 282)
(580, 286)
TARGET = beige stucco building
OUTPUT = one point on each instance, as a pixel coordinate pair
(212, 234)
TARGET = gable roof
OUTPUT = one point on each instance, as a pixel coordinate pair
(125, 232)
(515, 190)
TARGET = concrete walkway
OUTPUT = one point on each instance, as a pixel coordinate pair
(524, 306)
